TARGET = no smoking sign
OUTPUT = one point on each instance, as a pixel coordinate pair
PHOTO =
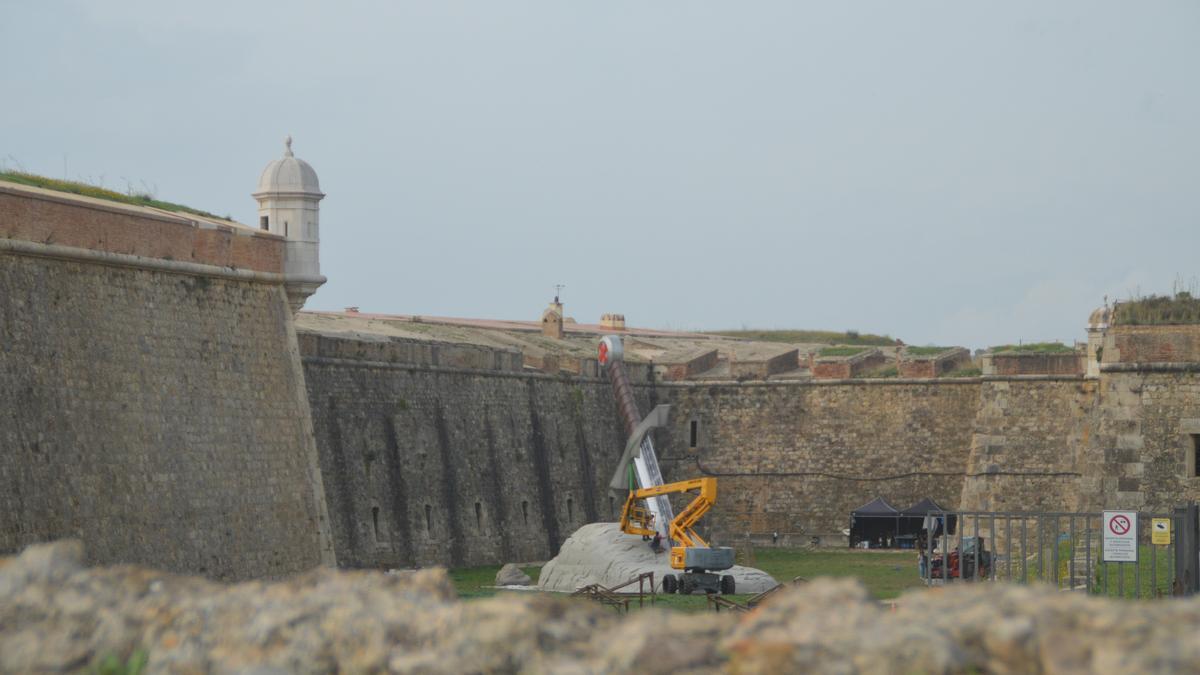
(1120, 536)
(1119, 524)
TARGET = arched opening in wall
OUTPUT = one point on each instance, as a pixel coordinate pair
(525, 511)
(570, 510)
(693, 433)
(428, 519)
(375, 523)
(478, 516)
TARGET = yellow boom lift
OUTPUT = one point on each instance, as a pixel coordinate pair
(648, 511)
(690, 553)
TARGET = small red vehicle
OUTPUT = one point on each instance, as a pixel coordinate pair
(963, 560)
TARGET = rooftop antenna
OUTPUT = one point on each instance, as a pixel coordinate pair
(558, 291)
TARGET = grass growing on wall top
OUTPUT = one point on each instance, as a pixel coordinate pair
(1159, 310)
(925, 351)
(809, 337)
(96, 192)
(1035, 348)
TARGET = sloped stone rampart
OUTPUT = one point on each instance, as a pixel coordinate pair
(427, 464)
(160, 417)
(57, 616)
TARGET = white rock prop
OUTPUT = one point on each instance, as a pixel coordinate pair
(511, 575)
(600, 553)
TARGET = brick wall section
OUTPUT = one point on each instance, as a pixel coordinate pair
(922, 368)
(155, 416)
(90, 224)
(1016, 363)
(1152, 344)
(845, 367)
(935, 365)
(830, 370)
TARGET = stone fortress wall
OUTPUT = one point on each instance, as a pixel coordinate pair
(152, 392)
(796, 458)
(435, 463)
(162, 406)
(427, 463)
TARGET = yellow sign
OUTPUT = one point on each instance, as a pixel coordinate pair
(1160, 531)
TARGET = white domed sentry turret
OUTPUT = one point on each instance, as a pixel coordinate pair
(1098, 324)
(288, 197)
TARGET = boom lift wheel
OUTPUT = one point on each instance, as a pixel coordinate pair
(685, 585)
(727, 585)
(669, 586)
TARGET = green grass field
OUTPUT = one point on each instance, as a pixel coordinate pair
(1141, 579)
(886, 574)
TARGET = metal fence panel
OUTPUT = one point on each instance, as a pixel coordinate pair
(1041, 548)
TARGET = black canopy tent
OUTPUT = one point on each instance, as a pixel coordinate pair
(875, 522)
(882, 525)
(927, 515)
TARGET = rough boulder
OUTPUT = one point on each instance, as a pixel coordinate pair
(511, 575)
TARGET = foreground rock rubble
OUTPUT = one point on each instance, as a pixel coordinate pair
(58, 615)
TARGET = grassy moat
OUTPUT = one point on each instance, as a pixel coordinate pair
(886, 574)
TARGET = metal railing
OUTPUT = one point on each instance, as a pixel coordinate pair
(718, 601)
(617, 597)
(1062, 549)
(603, 596)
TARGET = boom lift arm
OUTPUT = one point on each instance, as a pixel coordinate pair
(636, 519)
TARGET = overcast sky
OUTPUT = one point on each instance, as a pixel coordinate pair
(947, 173)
